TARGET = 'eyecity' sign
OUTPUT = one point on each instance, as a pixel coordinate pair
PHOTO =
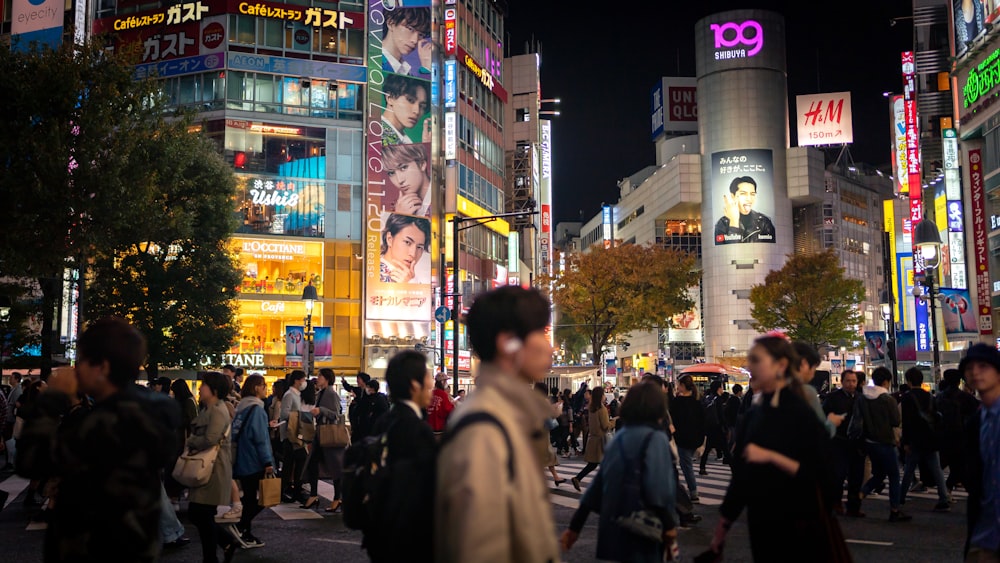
(738, 40)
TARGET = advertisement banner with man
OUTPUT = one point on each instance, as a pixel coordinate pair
(398, 199)
(743, 196)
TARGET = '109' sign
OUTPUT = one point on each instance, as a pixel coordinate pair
(737, 40)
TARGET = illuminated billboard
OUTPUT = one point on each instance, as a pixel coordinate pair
(824, 119)
(675, 106)
(743, 190)
(970, 22)
(38, 21)
(399, 195)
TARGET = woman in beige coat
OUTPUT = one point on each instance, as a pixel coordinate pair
(600, 425)
(209, 429)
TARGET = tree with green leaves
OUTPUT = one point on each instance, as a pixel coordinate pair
(172, 274)
(810, 299)
(610, 292)
(71, 122)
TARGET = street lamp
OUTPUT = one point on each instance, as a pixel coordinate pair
(309, 296)
(927, 243)
(457, 227)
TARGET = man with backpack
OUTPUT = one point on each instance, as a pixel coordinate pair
(715, 424)
(492, 502)
(399, 524)
(921, 437)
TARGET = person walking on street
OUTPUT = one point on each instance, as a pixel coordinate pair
(689, 420)
(291, 470)
(637, 444)
(955, 405)
(209, 429)
(254, 460)
(359, 412)
(714, 405)
(919, 442)
(881, 414)
(782, 472)
(403, 529)
(981, 368)
(109, 464)
(326, 460)
(441, 406)
(848, 451)
(491, 501)
(599, 427)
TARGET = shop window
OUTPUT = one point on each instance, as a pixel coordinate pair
(277, 266)
(271, 33)
(242, 29)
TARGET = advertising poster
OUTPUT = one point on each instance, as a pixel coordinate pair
(906, 346)
(970, 22)
(824, 119)
(743, 190)
(39, 21)
(686, 326)
(322, 344)
(877, 344)
(161, 43)
(957, 312)
(295, 345)
(398, 198)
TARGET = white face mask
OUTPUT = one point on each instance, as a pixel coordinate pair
(302, 386)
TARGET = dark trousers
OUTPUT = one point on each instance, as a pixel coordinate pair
(715, 438)
(682, 504)
(586, 469)
(953, 458)
(849, 464)
(291, 473)
(212, 536)
(251, 506)
(312, 474)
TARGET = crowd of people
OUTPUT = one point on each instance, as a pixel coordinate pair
(462, 479)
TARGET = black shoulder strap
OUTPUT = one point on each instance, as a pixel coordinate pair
(477, 418)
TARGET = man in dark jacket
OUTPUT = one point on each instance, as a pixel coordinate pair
(715, 424)
(108, 463)
(849, 457)
(955, 405)
(981, 368)
(881, 414)
(741, 223)
(919, 417)
(404, 513)
(359, 407)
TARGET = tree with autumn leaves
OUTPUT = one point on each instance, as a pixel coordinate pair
(810, 299)
(610, 292)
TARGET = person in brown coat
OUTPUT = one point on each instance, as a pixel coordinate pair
(599, 426)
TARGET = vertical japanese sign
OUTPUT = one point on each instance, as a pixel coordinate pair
(912, 129)
(899, 168)
(398, 199)
(954, 212)
(545, 196)
(980, 250)
(607, 226)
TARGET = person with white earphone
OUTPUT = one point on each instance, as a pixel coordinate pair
(492, 502)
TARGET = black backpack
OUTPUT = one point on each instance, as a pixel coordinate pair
(856, 420)
(367, 477)
(711, 412)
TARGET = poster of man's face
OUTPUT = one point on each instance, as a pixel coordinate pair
(743, 196)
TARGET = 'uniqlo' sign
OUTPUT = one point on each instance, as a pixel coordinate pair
(981, 253)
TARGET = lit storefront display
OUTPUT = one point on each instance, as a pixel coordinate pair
(263, 327)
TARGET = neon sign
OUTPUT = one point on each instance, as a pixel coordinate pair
(730, 35)
(983, 78)
(485, 77)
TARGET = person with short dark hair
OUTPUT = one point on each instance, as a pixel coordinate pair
(805, 372)
(109, 463)
(881, 414)
(919, 443)
(981, 369)
(740, 223)
(714, 405)
(406, 103)
(291, 470)
(849, 456)
(403, 514)
(406, 30)
(689, 420)
(492, 502)
(956, 405)
(638, 442)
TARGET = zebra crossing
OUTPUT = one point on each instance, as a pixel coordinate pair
(711, 487)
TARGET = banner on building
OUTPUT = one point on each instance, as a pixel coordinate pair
(824, 119)
(295, 345)
(743, 196)
(980, 250)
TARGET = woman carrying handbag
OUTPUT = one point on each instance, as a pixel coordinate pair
(210, 429)
(599, 427)
(329, 459)
(253, 459)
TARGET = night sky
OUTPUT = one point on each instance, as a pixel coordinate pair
(602, 61)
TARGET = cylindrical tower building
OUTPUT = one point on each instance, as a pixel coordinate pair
(743, 128)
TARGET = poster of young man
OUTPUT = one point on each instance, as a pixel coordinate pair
(743, 184)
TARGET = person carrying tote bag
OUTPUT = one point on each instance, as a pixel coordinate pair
(253, 459)
(210, 429)
(326, 459)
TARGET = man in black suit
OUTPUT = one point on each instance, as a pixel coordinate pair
(404, 513)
